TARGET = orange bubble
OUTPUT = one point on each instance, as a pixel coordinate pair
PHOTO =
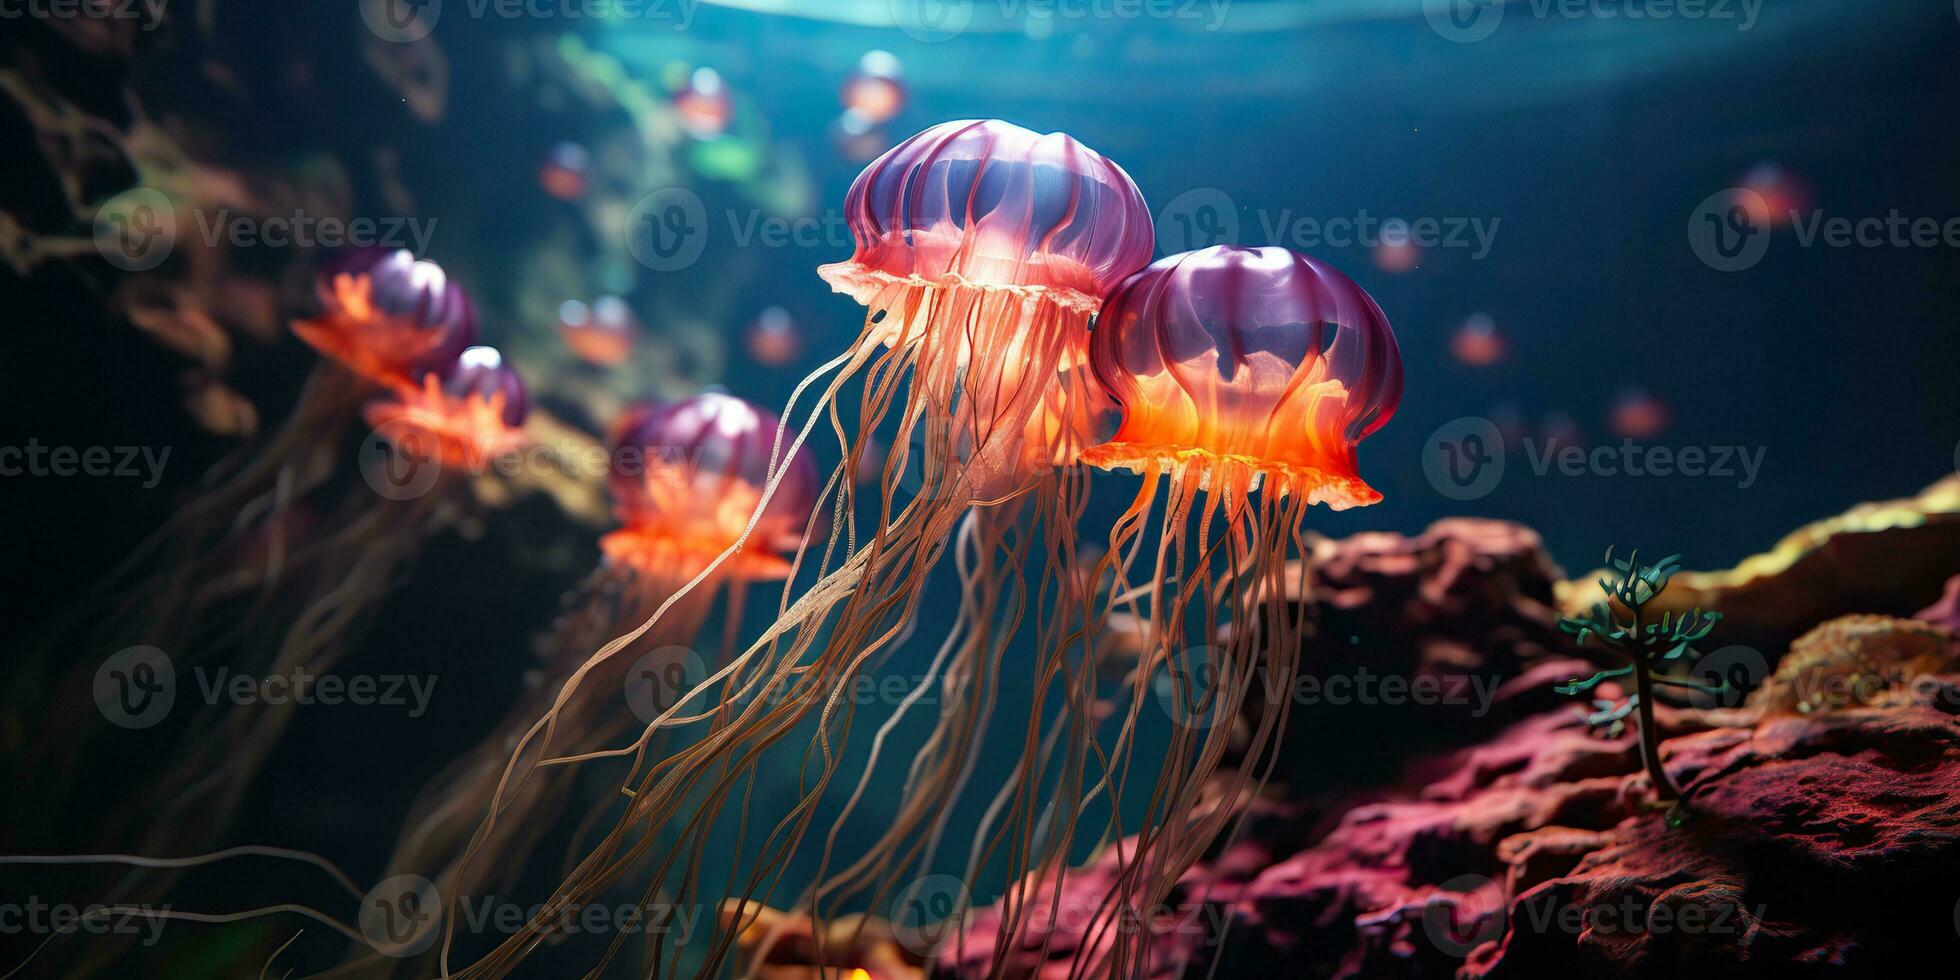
(1476, 341)
(1637, 414)
(773, 338)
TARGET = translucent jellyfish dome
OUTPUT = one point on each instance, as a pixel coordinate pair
(989, 204)
(687, 477)
(1258, 362)
(389, 315)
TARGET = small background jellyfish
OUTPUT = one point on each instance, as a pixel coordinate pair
(233, 563)
(1476, 341)
(685, 479)
(433, 437)
(603, 333)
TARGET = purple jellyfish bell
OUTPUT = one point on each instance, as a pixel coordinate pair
(482, 371)
(414, 292)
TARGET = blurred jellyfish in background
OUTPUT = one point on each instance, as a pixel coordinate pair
(603, 333)
(1510, 423)
(388, 316)
(685, 477)
(704, 104)
(858, 139)
(876, 91)
(1476, 341)
(1638, 414)
(468, 413)
(1779, 194)
(773, 338)
(1395, 250)
(1560, 429)
(436, 435)
(565, 172)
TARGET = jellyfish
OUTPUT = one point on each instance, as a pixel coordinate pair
(1477, 342)
(1395, 250)
(703, 104)
(982, 251)
(565, 171)
(602, 333)
(772, 338)
(388, 316)
(1780, 194)
(1637, 414)
(858, 138)
(219, 564)
(462, 417)
(1244, 378)
(876, 91)
(685, 478)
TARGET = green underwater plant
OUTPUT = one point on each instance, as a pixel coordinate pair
(1650, 649)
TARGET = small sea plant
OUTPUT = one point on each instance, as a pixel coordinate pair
(1650, 647)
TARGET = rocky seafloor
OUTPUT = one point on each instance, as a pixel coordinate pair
(1500, 835)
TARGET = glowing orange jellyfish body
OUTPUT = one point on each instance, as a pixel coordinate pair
(685, 477)
(688, 476)
(1235, 370)
(1237, 366)
(388, 316)
(461, 416)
